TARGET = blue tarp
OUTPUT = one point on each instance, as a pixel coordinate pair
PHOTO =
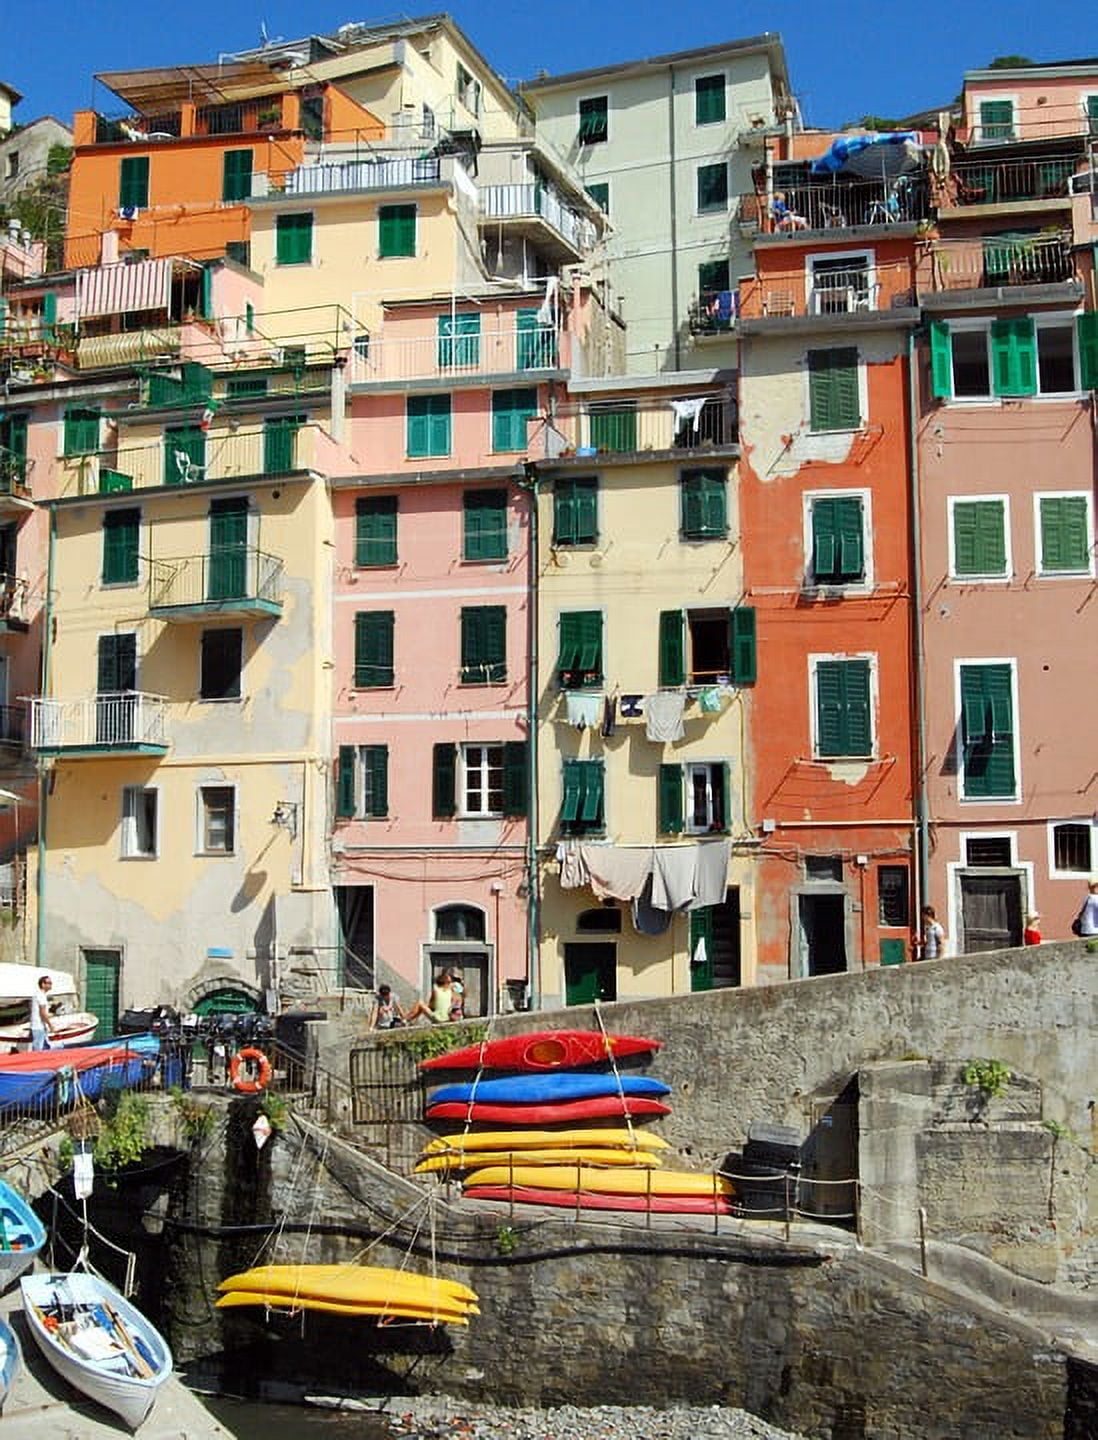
(846, 146)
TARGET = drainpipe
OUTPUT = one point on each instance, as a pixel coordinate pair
(43, 777)
(533, 900)
(922, 838)
(673, 200)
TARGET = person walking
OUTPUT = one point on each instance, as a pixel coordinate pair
(41, 1022)
(1087, 919)
(932, 941)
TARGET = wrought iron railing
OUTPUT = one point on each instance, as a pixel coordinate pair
(456, 353)
(1000, 182)
(499, 202)
(125, 720)
(842, 205)
(997, 260)
(216, 578)
(697, 422)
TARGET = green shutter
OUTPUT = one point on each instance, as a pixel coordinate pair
(599, 191)
(133, 183)
(979, 537)
(184, 454)
(444, 781)
(743, 645)
(49, 313)
(236, 177)
(575, 511)
(458, 342)
(121, 532)
(375, 765)
(483, 645)
(580, 659)
(396, 230)
(941, 360)
(511, 409)
(485, 525)
(672, 647)
(591, 804)
(294, 239)
(81, 431)
(613, 428)
(1064, 533)
(1014, 356)
(996, 119)
(428, 426)
(593, 124)
(535, 344)
(838, 555)
(670, 800)
(345, 782)
(376, 530)
(843, 721)
(572, 788)
(228, 564)
(280, 443)
(833, 389)
(116, 669)
(516, 784)
(987, 731)
(712, 186)
(703, 505)
(709, 108)
(701, 928)
(374, 649)
(1086, 326)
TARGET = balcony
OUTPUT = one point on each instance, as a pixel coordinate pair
(124, 723)
(133, 347)
(231, 583)
(458, 356)
(15, 473)
(627, 427)
(996, 261)
(14, 592)
(538, 212)
(714, 312)
(351, 176)
(1008, 182)
(826, 289)
(846, 205)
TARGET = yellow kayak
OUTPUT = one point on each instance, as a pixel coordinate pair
(351, 1284)
(618, 1137)
(235, 1299)
(592, 1155)
(603, 1182)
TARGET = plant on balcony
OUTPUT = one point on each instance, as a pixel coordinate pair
(269, 118)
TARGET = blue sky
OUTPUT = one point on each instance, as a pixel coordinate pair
(845, 59)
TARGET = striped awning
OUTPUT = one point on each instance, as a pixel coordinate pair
(114, 289)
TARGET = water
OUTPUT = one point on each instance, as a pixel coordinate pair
(258, 1420)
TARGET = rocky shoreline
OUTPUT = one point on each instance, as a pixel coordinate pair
(450, 1420)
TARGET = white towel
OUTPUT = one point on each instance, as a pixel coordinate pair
(663, 715)
(584, 709)
(711, 873)
(617, 872)
(673, 874)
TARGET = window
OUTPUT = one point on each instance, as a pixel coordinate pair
(133, 182)
(483, 645)
(703, 512)
(121, 543)
(184, 454)
(893, 905)
(714, 280)
(843, 720)
(987, 732)
(138, 823)
(374, 649)
(842, 285)
(396, 231)
(693, 798)
(722, 646)
(594, 124)
(294, 239)
(13, 447)
(971, 362)
(996, 119)
(826, 868)
(222, 663)
(217, 820)
(240, 252)
(579, 661)
(1056, 358)
(582, 802)
(1065, 530)
(1013, 357)
(575, 511)
(458, 342)
(242, 387)
(428, 423)
(606, 920)
(468, 90)
(12, 165)
(484, 525)
(362, 781)
(709, 107)
(599, 191)
(280, 443)
(236, 176)
(1073, 847)
(979, 546)
(613, 427)
(713, 187)
(81, 431)
(989, 852)
(511, 411)
(535, 341)
(838, 540)
(459, 923)
(376, 530)
(482, 779)
(833, 398)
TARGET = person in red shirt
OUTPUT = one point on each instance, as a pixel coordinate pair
(1031, 935)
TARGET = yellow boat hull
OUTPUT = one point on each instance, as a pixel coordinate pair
(350, 1284)
(467, 1159)
(237, 1299)
(603, 1182)
(617, 1136)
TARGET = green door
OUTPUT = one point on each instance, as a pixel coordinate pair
(590, 973)
(116, 680)
(537, 345)
(701, 949)
(102, 969)
(228, 578)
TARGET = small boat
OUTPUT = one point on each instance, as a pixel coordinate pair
(543, 1050)
(458, 1159)
(368, 1290)
(588, 1178)
(614, 1136)
(11, 1359)
(45, 1075)
(22, 1235)
(588, 1200)
(543, 1089)
(291, 1304)
(19, 986)
(97, 1341)
(596, 1107)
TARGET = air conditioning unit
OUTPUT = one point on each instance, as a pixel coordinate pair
(1084, 184)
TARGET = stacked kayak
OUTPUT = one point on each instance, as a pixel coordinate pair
(363, 1290)
(544, 1050)
(451, 1154)
(545, 1098)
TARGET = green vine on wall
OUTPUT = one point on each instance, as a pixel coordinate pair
(430, 1042)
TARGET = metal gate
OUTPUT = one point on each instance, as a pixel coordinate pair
(387, 1098)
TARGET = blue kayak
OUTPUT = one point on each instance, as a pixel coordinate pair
(539, 1089)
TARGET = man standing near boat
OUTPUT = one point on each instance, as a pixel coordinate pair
(41, 1023)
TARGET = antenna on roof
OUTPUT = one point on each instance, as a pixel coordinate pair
(263, 37)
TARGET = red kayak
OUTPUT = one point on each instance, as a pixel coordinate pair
(588, 1200)
(543, 1050)
(594, 1107)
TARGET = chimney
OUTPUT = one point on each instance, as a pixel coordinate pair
(108, 249)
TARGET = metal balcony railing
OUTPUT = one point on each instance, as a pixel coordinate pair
(350, 175)
(189, 458)
(508, 349)
(502, 202)
(849, 205)
(122, 721)
(714, 312)
(115, 129)
(230, 577)
(1005, 182)
(698, 422)
(997, 260)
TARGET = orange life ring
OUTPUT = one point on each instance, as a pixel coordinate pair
(260, 1082)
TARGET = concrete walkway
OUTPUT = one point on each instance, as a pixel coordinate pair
(43, 1405)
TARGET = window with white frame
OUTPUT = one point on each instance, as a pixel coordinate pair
(1072, 847)
(841, 284)
(216, 819)
(835, 538)
(842, 699)
(1065, 533)
(996, 118)
(482, 779)
(979, 537)
(139, 828)
(706, 797)
(1011, 357)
